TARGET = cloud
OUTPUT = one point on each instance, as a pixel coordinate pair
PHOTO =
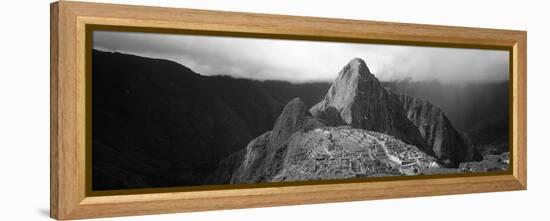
(303, 61)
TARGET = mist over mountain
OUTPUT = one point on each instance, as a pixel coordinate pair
(465, 104)
(448, 144)
(301, 61)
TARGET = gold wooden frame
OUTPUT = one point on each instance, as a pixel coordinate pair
(69, 198)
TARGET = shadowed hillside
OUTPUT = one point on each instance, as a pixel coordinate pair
(157, 123)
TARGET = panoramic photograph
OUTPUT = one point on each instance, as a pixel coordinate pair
(179, 110)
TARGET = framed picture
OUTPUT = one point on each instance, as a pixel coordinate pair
(161, 110)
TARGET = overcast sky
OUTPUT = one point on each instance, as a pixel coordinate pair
(305, 61)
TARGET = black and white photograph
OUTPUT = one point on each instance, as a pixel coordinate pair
(178, 110)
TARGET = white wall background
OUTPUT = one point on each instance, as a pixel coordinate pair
(24, 109)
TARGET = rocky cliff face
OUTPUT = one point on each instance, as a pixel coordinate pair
(363, 103)
(447, 143)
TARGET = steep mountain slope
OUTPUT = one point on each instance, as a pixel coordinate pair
(264, 155)
(301, 148)
(447, 143)
(363, 103)
(157, 123)
(466, 105)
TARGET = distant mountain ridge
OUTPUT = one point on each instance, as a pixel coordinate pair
(264, 156)
(157, 123)
(465, 104)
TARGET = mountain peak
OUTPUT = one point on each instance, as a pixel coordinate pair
(363, 103)
(448, 144)
(359, 61)
(355, 67)
(295, 103)
(290, 121)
